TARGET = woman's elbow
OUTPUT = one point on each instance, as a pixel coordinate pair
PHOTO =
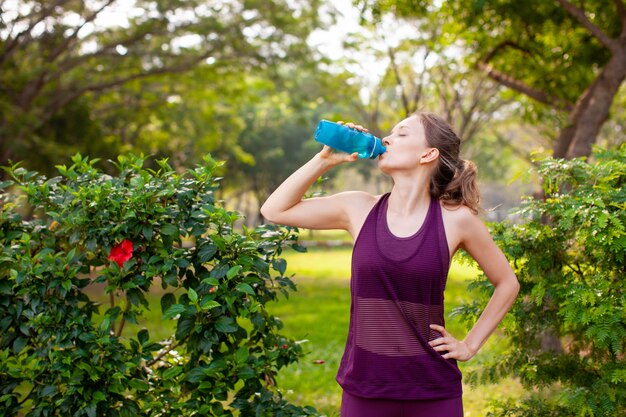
(269, 214)
(515, 286)
(510, 285)
(266, 213)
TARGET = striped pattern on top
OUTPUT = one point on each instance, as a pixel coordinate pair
(383, 329)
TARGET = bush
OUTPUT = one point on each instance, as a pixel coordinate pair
(63, 353)
(570, 258)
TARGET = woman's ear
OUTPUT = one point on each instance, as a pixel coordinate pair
(429, 155)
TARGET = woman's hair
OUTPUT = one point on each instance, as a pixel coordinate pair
(454, 179)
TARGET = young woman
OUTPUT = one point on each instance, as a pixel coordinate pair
(399, 359)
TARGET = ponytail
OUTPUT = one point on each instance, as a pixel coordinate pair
(453, 180)
(463, 189)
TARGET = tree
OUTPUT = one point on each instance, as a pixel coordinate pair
(59, 60)
(568, 58)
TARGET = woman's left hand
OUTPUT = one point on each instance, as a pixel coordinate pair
(456, 349)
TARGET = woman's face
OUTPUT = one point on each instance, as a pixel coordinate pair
(407, 148)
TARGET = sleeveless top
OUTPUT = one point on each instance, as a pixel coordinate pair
(397, 289)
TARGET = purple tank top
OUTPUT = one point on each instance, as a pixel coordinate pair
(397, 291)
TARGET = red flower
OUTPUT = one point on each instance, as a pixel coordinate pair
(122, 252)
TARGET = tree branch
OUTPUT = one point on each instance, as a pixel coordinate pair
(74, 34)
(501, 46)
(396, 71)
(525, 89)
(73, 62)
(580, 15)
(164, 352)
(417, 97)
(123, 321)
(621, 10)
(13, 43)
(65, 97)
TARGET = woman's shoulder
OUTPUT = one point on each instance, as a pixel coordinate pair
(357, 205)
(461, 224)
(459, 215)
(358, 199)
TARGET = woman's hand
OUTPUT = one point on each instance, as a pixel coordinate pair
(335, 158)
(456, 349)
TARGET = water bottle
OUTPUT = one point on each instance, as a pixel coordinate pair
(345, 139)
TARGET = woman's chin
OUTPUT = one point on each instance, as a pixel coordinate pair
(383, 165)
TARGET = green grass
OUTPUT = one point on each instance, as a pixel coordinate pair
(319, 312)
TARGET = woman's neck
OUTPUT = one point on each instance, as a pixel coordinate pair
(410, 193)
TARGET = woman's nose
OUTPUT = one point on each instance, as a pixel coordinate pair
(386, 141)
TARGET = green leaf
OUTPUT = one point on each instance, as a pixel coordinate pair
(209, 304)
(299, 248)
(48, 391)
(19, 344)
(185, 326)
(226, 325)
(138, 385)
(242, 354)
(206, 252)
(98, 396)
(172, 372)
(90, 409)
(147, 231)
(170, 230)
(193, 295)
(246, 373)
(167, 300)
(246, 288)
(219, 271)
(173, 311)
(143, 336)
(280, 265)
(211, 281)
(233, 271)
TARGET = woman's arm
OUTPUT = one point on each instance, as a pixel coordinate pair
(477, 242)
(285, 204)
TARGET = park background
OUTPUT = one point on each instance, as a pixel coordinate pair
(247, 82)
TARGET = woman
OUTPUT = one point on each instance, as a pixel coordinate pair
(399, 358)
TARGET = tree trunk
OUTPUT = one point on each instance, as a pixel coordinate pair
(592, 110)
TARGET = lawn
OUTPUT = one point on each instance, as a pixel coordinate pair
(319, 312)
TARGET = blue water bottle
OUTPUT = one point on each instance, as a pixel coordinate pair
(345, 139)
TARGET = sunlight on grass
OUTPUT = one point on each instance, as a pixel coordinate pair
(320, 263)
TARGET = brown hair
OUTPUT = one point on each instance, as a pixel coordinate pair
(454, 179)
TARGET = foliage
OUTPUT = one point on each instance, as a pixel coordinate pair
(91, 76)
(569, 254)
(562, 59)
(61, 354)
(536, 42)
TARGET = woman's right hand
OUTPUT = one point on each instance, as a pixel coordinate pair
(336, 158)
